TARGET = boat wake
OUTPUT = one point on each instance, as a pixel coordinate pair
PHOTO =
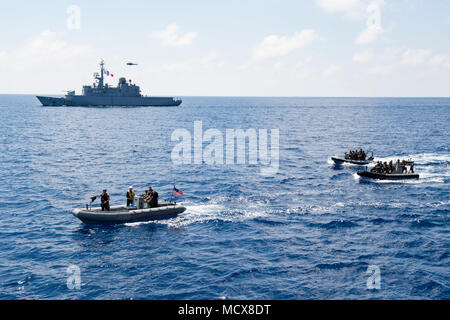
(211, 211)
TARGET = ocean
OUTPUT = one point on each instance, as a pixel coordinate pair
(311, 230)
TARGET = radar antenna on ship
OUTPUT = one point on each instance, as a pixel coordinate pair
(100, 78)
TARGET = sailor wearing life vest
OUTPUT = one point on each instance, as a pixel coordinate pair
(130, 196)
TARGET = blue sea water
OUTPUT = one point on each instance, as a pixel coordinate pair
(308, 232)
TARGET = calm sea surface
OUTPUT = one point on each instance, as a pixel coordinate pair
(308, 232)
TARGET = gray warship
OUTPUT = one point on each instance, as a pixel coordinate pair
(101, 94)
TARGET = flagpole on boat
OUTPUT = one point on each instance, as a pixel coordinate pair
(171, 195)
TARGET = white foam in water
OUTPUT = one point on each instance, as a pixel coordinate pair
(199, 213)
(193, 213)
(428, 158)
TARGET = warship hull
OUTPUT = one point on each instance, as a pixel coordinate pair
(97, 101)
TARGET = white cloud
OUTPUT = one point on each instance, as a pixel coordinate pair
(362, 56)
(40, 60)
(390, 54)
(438, 59)
(301, 64)
(331, 70)
(367, 36)
(338, 5)
(415, 57)
(3, 55)
(275, 46)
(354, 9)
(170, 36)
(381, 70)
(278, 65)
(47, 46)
(210, 61)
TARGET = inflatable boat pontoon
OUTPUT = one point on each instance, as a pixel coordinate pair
(123, 214)
(338, 160)
(387, 176)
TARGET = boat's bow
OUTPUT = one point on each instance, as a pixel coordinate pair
(51, 101)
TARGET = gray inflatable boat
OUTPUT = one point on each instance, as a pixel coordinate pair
(123, 214)
(338, 160)
(387, 176)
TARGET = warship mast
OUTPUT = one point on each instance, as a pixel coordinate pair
(100, 79)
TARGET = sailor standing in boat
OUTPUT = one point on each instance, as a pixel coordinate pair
(104, 198)
(152, 198)
(130, 196)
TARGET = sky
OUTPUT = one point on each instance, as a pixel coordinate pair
(363, 48)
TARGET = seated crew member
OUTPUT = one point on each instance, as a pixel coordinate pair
(404, 168)
(380, 167)
(391, 167)
(376, 168)
(130, 196)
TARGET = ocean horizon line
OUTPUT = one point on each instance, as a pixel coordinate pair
(253, 96)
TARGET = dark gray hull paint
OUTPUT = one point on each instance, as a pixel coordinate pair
(356, 162)
(121, 214)
(389, 176)
(97, 101)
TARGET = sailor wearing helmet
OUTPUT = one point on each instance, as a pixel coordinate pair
(130, 196)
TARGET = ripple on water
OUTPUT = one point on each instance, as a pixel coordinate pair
(310, 231)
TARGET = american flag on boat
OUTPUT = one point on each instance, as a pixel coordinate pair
(177, 192)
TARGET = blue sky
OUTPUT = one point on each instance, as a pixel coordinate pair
(243, 48)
